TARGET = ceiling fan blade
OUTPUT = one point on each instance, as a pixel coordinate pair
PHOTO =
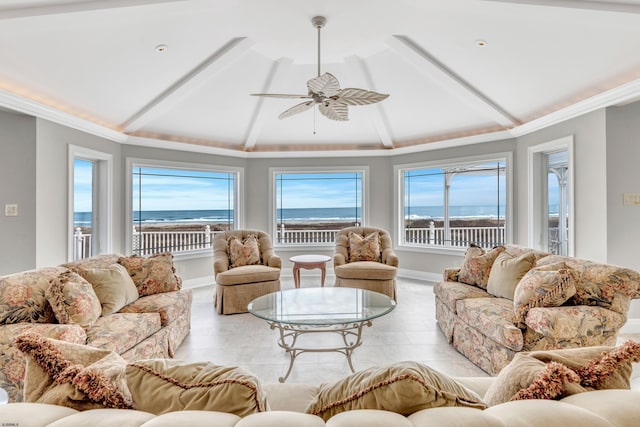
(354, 96)
(299, 108)
(334, 110)
(326, 84)
(281, 95)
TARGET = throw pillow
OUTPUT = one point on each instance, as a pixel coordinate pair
(22, 296)
(113, 286)
(245, 252)
(153, 274)
(72, 375)
(73, 300)
(477, 264)
(364, 248)
(404, 388)
(553, 374)
(204, 386)
(547, 286)
(506, 272)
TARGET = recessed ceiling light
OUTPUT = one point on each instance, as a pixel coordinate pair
(481, 43)
(161, 48)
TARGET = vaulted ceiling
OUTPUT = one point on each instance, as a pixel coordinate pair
(180, 71)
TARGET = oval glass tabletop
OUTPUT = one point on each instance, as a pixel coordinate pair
(321, 306)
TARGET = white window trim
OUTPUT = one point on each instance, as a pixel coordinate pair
(364, 170)
(103, 190)
(534, 196)
(238, 196)
(398, 188)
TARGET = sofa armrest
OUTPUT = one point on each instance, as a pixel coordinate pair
(274, 261)
(339, 259)
(571, 322)
(389, 257)
(451, 274)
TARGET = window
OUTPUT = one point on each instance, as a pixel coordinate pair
(550, 213)
(180, 209)
(310, 207)
(454, 205)
(90, 198)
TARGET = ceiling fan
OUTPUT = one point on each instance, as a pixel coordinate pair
(325, 91)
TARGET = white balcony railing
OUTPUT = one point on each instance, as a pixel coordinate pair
(175, 241)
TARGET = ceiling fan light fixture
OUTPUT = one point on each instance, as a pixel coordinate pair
(324, 90)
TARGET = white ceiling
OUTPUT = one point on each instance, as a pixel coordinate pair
(93, 65)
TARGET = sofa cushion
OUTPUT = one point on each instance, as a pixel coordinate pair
(566, 323)
(506, 272)
(113, 286)
(77, 376)
(120, 331)
(554, 374)
(243, 252)
(247, 274)
(364, 248)
(170, 305)
(371, 270)
(73, 299)
(450, 292)
(477, 265)
(179, 385)
(404, 388)
(153, 274)
(494, 318)
(22, 296)
(545, 286)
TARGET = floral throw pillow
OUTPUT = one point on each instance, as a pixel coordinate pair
(245, 252)
(153, 274)
(365, 248)
(477, 266)
(546, 286)
(73, 300)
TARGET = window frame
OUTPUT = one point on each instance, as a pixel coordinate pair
(102, 198)
(399, 207)
(238, 196)
(274, 171)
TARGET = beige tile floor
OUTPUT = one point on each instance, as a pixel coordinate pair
(407, 333)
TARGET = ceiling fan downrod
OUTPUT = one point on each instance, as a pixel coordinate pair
(318, 22)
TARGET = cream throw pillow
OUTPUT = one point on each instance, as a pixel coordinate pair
(404, 388)
(113, 285)
(163, 385)
(506, 273)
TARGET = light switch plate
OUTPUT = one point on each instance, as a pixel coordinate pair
(631, 198)
(11, 210)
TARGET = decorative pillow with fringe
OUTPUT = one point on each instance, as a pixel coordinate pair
(554, 374)
(548, 286)
(73, 300)
(77, 376)
(162, 385)
(403, 388)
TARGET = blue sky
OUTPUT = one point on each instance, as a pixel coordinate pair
(185, 191)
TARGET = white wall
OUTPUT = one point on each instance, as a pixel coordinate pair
(17, 186)
(590, 176)
(51, 174)
(623, 176)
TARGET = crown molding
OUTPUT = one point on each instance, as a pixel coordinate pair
(626, 92)
(33, 108)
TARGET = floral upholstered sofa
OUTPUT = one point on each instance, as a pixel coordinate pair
(512, 299)
(133, 306)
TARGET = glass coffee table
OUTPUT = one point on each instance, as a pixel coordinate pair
(343, 311)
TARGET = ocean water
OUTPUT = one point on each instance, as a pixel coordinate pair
(303, 214)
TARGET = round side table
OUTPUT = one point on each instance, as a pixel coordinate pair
(309, 262)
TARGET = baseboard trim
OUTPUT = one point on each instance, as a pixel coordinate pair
(419, 275)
